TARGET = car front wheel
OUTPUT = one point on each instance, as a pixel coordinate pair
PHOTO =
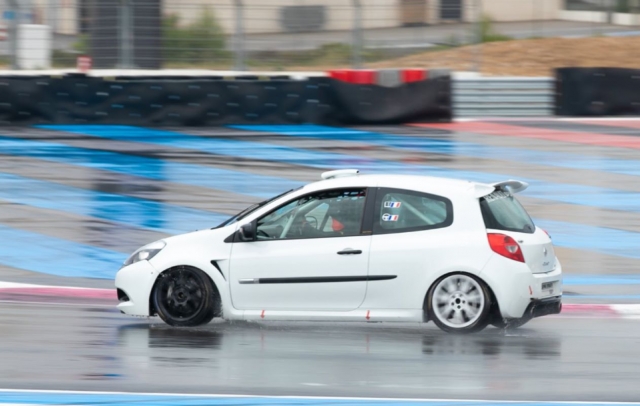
(184, 297)
(459, 303)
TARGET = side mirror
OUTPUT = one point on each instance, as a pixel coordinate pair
(247, 232)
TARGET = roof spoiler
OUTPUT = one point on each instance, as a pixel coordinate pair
(512, 186)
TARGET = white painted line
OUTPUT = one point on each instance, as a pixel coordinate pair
(598, 118)
(231, 396)
(570, 119)
(20, 404)
(15, 285)
(31, 303)
(627, 310)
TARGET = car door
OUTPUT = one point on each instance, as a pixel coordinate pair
(411, 238)
(310, 254)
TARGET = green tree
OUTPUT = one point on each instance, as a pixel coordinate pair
(487, 31)
(203, 40)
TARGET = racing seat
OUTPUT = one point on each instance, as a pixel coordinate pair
(346, 215)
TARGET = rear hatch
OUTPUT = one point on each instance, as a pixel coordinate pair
(503, 214)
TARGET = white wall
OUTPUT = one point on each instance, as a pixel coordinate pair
(584, 16)
(626, 19)
(514, 10)
(599, 17)
(263, 16)
(68, 14)
(34, 46)
(60, 15)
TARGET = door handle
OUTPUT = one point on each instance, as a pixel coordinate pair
(349, 251)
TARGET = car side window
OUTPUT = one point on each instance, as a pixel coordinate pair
(331, 213)
(398, 210)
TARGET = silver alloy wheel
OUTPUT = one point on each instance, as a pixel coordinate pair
(458, 301)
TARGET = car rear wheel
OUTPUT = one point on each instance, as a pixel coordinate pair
(459, 303)
(185, 296)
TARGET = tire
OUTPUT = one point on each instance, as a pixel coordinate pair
(459, 303)
(185, 297)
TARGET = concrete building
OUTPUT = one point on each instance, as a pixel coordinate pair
(277, 16)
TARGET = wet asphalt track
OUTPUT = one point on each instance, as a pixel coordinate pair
(91, 198)
(95, 348)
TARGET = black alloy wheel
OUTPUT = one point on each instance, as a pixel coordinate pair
(185, 296)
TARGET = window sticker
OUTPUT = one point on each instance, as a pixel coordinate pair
(498, 194)
(389, 217)
(392, 205)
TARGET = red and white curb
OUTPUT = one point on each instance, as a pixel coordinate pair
(14, 290)
(625, 311)
(28, 292)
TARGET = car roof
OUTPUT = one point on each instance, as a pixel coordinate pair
(428, 184)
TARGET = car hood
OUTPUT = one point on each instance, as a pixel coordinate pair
(214, 235)
(202, 245)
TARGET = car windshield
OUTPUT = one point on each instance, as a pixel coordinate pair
(251, 209)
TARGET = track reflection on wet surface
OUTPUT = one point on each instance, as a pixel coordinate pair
(94, 348)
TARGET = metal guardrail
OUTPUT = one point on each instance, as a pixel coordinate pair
(503, 97)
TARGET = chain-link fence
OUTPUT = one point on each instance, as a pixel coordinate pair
(272, 35)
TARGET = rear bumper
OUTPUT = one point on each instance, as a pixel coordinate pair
(544, 307)
(516, 288)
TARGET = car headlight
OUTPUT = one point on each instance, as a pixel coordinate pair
(145, 253)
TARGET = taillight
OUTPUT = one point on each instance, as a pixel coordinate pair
(505, 246)
(545, 231)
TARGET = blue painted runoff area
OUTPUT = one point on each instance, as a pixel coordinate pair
(174, 219)
(108, 399)
(613, 298)
(597, 280)
(566, 193)
(446, 146)
(603, 240)
(151, 168)
(49, 255)
(129, 211)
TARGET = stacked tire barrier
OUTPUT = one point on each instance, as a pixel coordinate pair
(386, 77)
(219, 100)
(597, 92)
(390, 96)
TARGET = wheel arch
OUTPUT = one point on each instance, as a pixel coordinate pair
(218, 310)
(495, 307)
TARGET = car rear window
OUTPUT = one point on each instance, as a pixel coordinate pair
(502, 211)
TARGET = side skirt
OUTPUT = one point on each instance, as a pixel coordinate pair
(359, 315)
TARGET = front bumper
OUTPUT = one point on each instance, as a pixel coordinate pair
(136, 281)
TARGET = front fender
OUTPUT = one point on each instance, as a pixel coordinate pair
(195, 252)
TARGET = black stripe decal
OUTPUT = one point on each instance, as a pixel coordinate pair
(327, 279)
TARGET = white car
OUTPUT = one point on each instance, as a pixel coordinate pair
(357, 248)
